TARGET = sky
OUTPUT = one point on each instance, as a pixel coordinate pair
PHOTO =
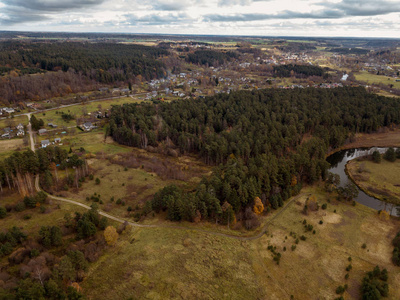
(353, 18)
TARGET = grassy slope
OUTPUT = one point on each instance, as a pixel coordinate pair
(372, 78)
(381, 180)
(184, 264)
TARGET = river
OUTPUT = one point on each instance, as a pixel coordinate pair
(338, 163)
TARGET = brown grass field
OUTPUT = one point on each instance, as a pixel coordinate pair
(166, 263)
(379, 180)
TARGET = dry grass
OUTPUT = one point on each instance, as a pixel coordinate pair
(168, 263)
(387, 138)
(381, 180)
(7, 147)
(132, 185)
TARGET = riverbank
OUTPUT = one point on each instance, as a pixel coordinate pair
(376, 180)
(388, 138)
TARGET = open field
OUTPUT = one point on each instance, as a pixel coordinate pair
(7, 147)
(133, 178)
(379, 180)
(12, 122)
(54, 116)
(372, 78)
(161, 263)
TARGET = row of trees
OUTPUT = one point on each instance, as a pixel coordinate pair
(290, 70)
(255, 138)
(18, 170)
(210, 57)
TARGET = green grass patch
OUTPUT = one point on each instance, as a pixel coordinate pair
(375, 79)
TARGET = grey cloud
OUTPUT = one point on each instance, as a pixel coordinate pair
(322, 14)
(16, 15)
(366, 7)
(24, 11)
(237, 2)
(174, 5)
(51, 5)
(156, 19)
(345, 8)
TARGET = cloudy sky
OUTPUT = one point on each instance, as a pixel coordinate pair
(360, 18)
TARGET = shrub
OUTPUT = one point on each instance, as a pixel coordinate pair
(293, 247)
(390, 155)
(340, 290)
(364, 246)
(97, 180)
(3, 212)
(321, 222)
(324, 206)
(376, 157)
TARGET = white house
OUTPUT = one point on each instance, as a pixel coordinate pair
(45, 143)
(88, 126)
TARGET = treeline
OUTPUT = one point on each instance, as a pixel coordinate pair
(256, 138)
(358, 51)
(15, 89)
(210, 57)
(91, 62)
(291, 70)
(18, 171)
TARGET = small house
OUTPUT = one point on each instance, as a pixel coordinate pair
(52, 125)
(5, 135)
(87, 126)
(57, 140)
(9, 110)
(20, 126)
(45, 143)
(20, 132)
(42, 131)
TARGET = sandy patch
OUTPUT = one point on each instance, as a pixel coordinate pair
(332, 218)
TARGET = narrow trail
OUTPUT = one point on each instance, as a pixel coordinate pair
(120, 220)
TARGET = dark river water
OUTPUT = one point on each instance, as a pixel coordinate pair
(338, 163)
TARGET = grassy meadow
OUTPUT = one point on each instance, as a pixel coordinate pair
(380, 180)
(372, 78)
(168, 263)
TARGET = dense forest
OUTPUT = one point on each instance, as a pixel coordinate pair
(210, 57)
(291, 70)
(264, 142)
(73, 66)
